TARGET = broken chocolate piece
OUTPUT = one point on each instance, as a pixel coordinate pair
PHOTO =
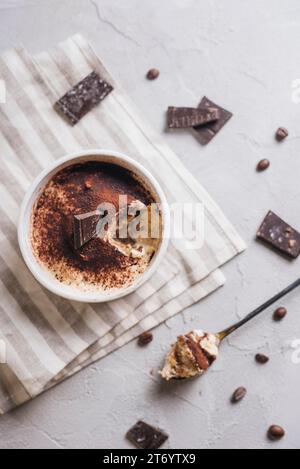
(280, 235)
(145, 436)
(208, 131)
(85, 228)
(182, 117)
(82, 98)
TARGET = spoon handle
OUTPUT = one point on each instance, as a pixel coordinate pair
(259, 310)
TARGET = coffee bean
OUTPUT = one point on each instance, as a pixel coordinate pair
(238, 395)
(262, 359)
(276, 432)
(145, 338)
(279, 314)
(153, 73)
(281, 134)
(263, 165)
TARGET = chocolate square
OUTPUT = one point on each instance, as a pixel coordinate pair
(82, 98)
(85, 228)
(207, 132)
(183, 117)
(280, 235)
(145, 436)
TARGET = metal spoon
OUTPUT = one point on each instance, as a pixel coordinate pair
(222, 335)
(193, 353)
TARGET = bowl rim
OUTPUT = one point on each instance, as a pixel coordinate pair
(30, 198)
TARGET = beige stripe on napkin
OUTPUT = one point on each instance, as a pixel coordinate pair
(50, 338)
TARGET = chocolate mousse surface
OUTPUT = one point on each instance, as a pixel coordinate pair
(76, 190)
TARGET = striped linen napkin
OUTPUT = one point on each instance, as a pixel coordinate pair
(46, 337)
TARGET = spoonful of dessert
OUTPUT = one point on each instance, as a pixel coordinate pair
(194, 353)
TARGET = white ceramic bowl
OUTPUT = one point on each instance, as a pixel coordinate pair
(41, 273)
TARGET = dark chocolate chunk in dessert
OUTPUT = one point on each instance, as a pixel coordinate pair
(83, 97)
(145, 436)
(280, 235)
(198, 353)
(207, 132)
(182, 117)
(85, 228)
(98, 262)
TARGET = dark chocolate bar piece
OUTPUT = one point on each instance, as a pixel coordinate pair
(208, 131)
(82, 98)
(182, 117)
(280, 235)
(85, 228)
(145, 436)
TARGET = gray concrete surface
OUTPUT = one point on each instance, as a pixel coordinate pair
(245, 56)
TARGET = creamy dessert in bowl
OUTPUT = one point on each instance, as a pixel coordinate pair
(94, 226)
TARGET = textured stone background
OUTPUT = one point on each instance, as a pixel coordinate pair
(244, 55)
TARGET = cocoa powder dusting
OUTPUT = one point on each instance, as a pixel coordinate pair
(79, 189)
